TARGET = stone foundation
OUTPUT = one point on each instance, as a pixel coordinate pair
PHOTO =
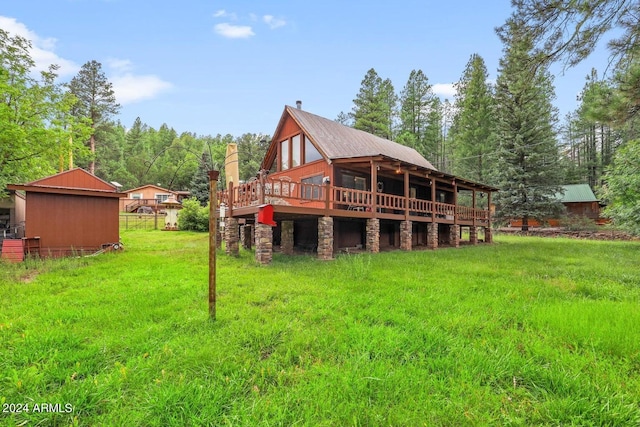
(232, 237)
(406, 235)
(264, 243)
(325, 237)
(432, 235)
(473, 235)
(373, 235)
(454, 235)
(286, 237)
(488, 238)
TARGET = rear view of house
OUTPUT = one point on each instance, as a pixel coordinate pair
(332, 187)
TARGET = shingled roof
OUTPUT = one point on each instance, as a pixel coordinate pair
(337, 141)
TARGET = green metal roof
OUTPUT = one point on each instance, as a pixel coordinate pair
(577, 193)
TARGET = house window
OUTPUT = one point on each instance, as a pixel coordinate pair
(136, 196)
(161, 197)
(284, 155)
(355, 182)
(310, 189)
(311, 154)
(296, 152)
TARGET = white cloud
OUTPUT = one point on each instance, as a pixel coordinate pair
(130, 88)
(445, 90)
(273, 22)
(220, 13)
(234, 31)
(42, 49)
(120, 65)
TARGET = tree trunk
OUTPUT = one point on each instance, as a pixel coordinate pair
(525, 223)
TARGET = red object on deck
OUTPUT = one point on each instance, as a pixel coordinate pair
(13, 250)
(265, 215)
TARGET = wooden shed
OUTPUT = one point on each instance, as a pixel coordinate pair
(72, 212)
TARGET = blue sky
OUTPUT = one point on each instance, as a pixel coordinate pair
(218, 67)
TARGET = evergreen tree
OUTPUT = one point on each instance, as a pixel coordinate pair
(416, 103)
(96, 100)
(527, 168)
(473, 128)
(374, 106)
(199, 187)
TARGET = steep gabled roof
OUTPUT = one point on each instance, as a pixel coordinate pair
(337, 141)
(577, 193)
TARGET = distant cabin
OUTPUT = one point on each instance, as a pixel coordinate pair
(578, 200)
(148, 198)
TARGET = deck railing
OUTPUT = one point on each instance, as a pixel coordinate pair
(320, 196)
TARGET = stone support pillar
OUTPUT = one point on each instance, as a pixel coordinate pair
(286, 237)
(264, 243)
(373, 235)
(454, 235)
(406, 235)
(488, 236)
(232, 236)
(325, 238)
(473, 235)
(432, 235)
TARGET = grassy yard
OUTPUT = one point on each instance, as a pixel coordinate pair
(527, 331)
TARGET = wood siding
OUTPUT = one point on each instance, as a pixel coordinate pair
(68, 223)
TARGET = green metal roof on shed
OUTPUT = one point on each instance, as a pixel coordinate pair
(577, 193)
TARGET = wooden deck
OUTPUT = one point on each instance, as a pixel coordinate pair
(291, 199)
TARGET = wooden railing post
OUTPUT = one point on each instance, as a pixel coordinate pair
(261, 198)
(327, 197)
(231, 199)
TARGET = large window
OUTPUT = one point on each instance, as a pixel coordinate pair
(311, 154)
(284, 155)
(310, 187)
(296, 152)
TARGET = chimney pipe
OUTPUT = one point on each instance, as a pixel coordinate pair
(299, 105)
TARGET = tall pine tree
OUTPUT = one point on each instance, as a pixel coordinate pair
(473, 128)
(374, 106)
(527, 167)
(96, 100)
(416, 103)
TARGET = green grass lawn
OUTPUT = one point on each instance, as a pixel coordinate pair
(527, 331)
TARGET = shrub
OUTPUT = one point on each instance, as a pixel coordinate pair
(193, 216)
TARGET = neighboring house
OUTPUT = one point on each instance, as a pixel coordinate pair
(332, 187)
(12, 216)
(578, 200)
(70, 212)
(147, 198)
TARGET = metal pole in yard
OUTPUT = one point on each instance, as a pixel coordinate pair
(213, 205)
